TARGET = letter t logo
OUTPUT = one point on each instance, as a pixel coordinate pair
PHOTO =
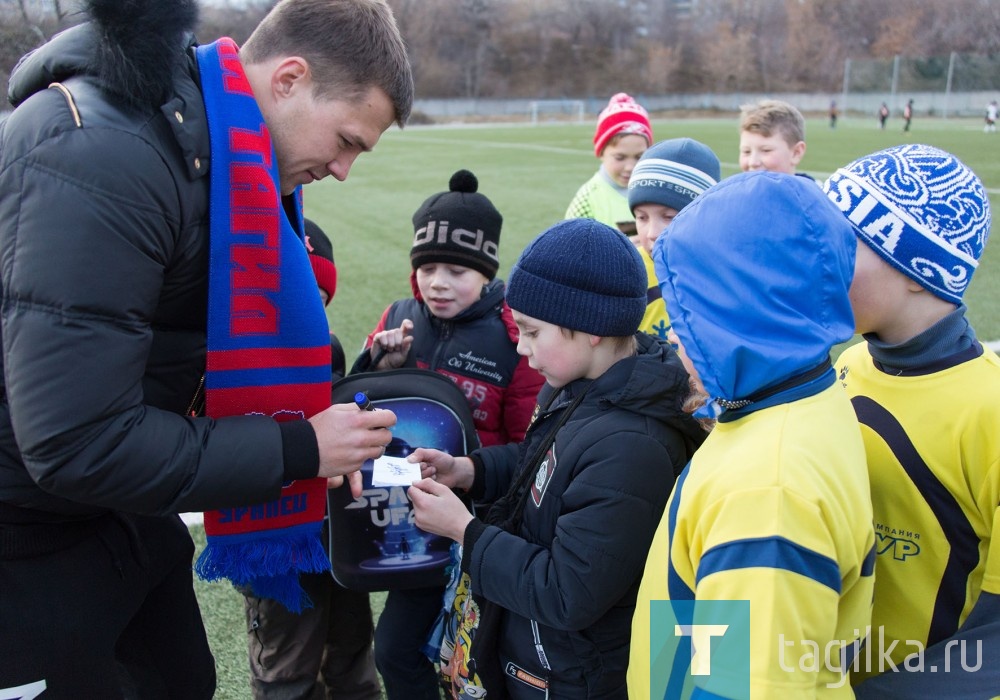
(701, 637)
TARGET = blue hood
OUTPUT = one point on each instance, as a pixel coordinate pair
(755, 274)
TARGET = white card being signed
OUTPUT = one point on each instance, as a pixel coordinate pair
(394, 471)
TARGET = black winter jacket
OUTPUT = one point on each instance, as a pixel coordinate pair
(568, 572)
(104, 263)
(478, 350)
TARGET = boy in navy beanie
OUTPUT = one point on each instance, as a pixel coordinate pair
(667, 178)
(925, 390)
(555, 563)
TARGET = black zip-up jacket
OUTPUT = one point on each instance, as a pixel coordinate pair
(569, 572)
(104, 265)
(478, 350)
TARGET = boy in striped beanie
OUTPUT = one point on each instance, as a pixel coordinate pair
(666, 179)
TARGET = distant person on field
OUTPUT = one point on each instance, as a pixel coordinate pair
(774, 507)
(326, 648)
(623, 133)
(907, 115)
(991, 117)
(668, 177)
(927, 394)
(883, 115)
(772, 137)
(833, 114)
(457, 324)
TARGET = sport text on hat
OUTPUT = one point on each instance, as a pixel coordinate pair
(672, 173)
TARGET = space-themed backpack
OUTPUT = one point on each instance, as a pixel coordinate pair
(374, 544)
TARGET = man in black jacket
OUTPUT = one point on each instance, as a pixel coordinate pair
(104, 258)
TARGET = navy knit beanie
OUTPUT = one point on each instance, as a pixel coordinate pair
(672, 173)
(582, 275)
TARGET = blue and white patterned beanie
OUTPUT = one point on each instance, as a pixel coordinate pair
(921, 209)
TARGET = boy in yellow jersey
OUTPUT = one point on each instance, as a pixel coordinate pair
(667, 178)
(774, 507)
(927, 394)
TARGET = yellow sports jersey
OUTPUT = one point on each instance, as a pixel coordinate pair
(933, 445)
(655, 321)
(774, 508)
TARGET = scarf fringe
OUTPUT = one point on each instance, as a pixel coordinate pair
(268, 562)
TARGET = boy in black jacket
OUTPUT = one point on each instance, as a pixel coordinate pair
(557, 562)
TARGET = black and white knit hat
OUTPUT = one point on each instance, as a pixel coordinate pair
(459, 226)
(582, 275)
(921, 209)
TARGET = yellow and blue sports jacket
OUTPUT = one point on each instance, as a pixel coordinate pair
(655, 321)
(930, 417)
(774, 507)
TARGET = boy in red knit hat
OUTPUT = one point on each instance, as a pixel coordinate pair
(623, 133)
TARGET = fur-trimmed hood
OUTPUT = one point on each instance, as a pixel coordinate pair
(129, 46)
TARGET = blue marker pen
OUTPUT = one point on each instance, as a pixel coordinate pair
(363, 402)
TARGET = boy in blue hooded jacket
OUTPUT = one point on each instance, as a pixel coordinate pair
(774, 508)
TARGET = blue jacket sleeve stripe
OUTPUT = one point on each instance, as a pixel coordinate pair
(676, 588)
(773, 552)
(868, 565)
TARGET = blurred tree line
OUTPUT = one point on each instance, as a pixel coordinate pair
(551, 49)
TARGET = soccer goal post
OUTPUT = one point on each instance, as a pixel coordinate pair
(556, 110)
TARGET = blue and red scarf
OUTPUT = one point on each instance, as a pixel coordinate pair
(268, 338)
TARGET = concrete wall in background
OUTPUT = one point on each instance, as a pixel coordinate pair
(937, 104)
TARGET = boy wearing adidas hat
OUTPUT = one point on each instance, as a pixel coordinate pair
(623, 132)
(556, 562)
(927, 394)
(667, 178)
(456, 324)
(774, 508)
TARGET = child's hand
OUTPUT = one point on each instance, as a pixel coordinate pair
(438, 510)
(453, 472)
(396, 344)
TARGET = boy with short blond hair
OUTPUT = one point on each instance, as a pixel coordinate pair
(772, 136)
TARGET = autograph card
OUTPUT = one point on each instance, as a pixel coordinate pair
(394, 471)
